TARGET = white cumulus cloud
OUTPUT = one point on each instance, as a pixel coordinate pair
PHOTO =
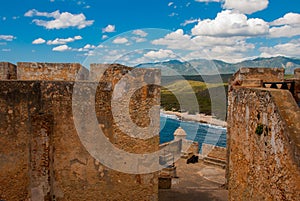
(140, 33)
(238, 51)
(138, 39)
(61, 20)
(109, 29)
(231, 49)
(160, 54)
(175, 40)
(140, 36)
(120, 40)
(62, 41)
(38, 41)
(86, 48)
(246, 6)
(61, 48)
(286, 26)
(7, 37)
(284, 31)
(289, 49)
(180, 41)
(230, 23)
(289, 18)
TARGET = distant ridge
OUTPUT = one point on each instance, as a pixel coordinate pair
(212, 67)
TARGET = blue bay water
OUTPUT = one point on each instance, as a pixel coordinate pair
(198, 132)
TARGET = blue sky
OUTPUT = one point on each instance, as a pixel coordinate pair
(138, 31)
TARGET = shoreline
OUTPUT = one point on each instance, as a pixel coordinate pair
(201, 118)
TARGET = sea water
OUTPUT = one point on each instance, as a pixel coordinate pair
(198, 132)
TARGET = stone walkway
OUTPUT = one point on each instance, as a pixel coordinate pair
(196, 182)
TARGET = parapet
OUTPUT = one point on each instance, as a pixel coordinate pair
(43, 156)
(263, 136)
(50, 71)
(266, 78)
(253, 77)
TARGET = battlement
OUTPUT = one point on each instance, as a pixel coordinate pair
(263, 135)
(42, 71)
(42, 155)
(253, 77)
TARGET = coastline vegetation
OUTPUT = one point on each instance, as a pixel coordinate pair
(186, 91)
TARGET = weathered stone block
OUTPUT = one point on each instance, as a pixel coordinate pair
(263, 145)
(252, 83)
(8, 71)
(51, 71)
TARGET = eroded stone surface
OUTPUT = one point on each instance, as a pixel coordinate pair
(263, 144)
(8, 71)
(41, 155)
(51, 71)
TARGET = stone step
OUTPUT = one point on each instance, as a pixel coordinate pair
(215, 162)
(215, 159)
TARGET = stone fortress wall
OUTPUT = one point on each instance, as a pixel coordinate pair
(263, 136)
(41, 155)
(50, 71)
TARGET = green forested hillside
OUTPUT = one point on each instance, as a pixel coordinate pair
(195, 96)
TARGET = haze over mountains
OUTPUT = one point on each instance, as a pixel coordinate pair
(212, 67)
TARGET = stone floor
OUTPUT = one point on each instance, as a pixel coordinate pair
(196, 182)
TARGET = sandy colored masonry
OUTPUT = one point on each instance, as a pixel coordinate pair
(263, 140)
(41, 155)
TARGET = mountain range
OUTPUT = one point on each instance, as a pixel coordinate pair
(212, 67)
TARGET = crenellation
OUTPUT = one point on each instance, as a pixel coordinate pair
(253, 76)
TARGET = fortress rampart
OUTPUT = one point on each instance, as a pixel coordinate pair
(263, 140)
(41, 155)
